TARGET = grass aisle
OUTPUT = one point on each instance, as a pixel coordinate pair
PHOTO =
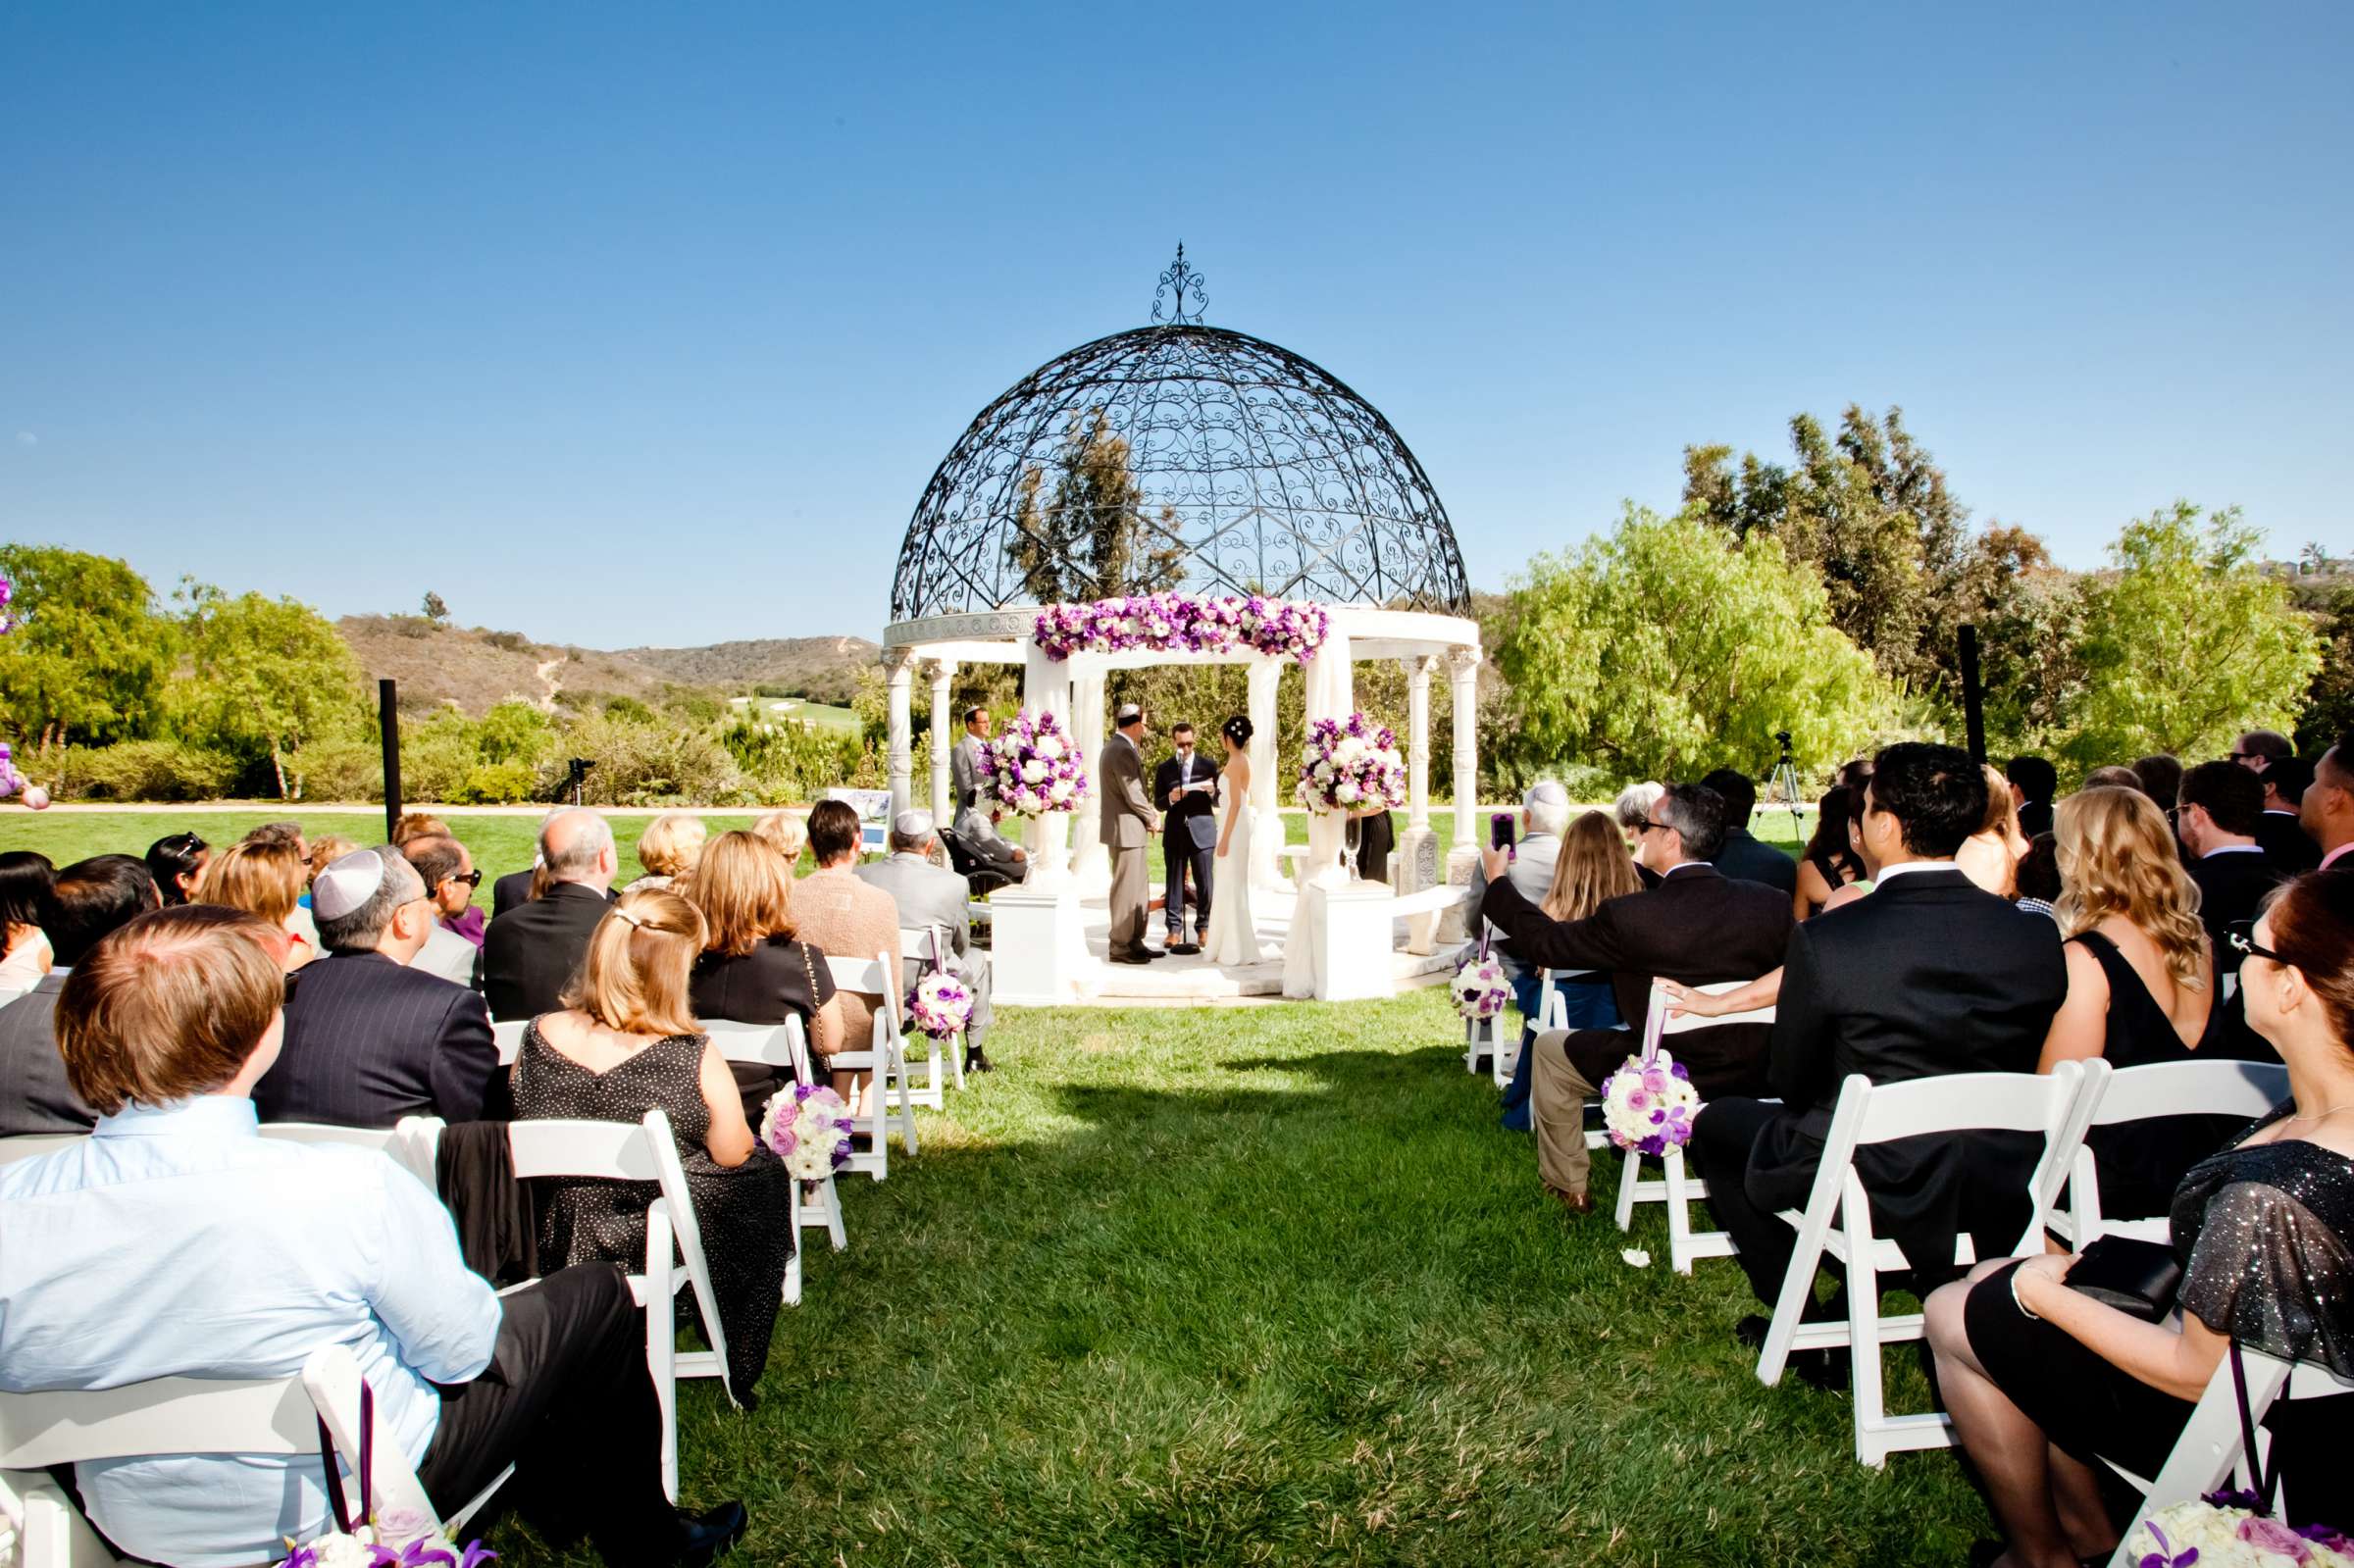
(1269, 1284)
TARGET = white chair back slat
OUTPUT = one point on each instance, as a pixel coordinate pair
(614, 1151)
(751, 1044)
(508, 1037)
(2161, 1088)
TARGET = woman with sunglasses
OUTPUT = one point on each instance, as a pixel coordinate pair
(2044, 1381)
(176, 861)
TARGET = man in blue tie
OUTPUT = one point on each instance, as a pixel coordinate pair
(1186, 788)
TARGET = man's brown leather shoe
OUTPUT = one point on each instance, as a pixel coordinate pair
(1575, 1202)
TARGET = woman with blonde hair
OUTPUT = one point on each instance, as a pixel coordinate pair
(1590, 869)
(626, 1042)
(787, 834)
(753, 969)
(264, 876)
(2141, 981)
(1990, 856)
(668, 849)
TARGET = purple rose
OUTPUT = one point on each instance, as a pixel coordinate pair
(2271, 1534)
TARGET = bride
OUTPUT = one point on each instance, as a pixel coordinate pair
(1232, 938)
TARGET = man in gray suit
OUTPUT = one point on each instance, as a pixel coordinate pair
(1127, 822)
(1543, 818)
(966, 773)
(927, 894)
(90, 900)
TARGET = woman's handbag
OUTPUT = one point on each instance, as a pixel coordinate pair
(2140, 1279)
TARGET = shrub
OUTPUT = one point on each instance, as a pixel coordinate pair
(134, 770)
(347, 767)
(642, 764)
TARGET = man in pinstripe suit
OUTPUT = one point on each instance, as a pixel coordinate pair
(369, 1039)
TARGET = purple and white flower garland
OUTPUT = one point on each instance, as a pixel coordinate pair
(1183, 623)
(808, 1127)
(1032, 766)
(1649, 1102)
(1351, 765)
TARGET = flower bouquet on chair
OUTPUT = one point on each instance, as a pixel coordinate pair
(2216, 1532)
(808, 1127)
(1351, 765)
(1479, 987)
(1032, 767)
(939, 1004)
(1649, 1102)
(387, 1545)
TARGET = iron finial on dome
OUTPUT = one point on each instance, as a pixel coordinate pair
(1179, 281)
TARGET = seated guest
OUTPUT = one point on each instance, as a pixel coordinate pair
(416, 825)
(2326, 807)
(264, 876)
(2281, 832)
(280, 832)
(532, 952)
(1831, 861)
(1990, 856)
(668, 849)
(626, 1042)
(991, 847)
(85, 901)
(2216, 819)
(177, 863)
(926, 894)
(752, 969)
(522, 886)
(2160, 777)
(2141, 984)
(323, 853)
(447, 872)
(1743, 856)
(1591, 870)
(1929, 975)
(1632, 808)
(1696, 926)
(787, 834)
(2034, 784)
(291, 834)
(369, 1039)
(174, 1242)
(2038, 876)
(841, 916)
(2044, 1383)
(25, 877)
(2111, 777)
(1543, 818)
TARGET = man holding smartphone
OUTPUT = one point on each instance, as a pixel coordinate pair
(1186, 788)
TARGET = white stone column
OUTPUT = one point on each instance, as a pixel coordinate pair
(939, 671)
(1269, 780)
(1090, 860)
(1462, 671)
(1418, 848)
(898, 669)
(1038, 949)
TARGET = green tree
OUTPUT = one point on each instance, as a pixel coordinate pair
(1087, 537)
(434, 610)
(2330, 700)
(90, 659)
(1665, 649)
(2191, 644)
(266, 677)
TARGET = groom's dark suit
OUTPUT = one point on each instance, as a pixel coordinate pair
(1188, 836)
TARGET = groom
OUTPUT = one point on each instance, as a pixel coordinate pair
(1127, 824)
(1186, 788)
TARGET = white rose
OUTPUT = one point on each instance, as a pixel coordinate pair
(1345, 795)
(1323, 770)
(341, 1551)
(1032, 771)
(1060, 792)
(1348, 750)
(1050, 748)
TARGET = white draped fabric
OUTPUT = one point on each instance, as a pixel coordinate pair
(1331, 695)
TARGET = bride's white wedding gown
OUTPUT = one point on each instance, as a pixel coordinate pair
(1232, 938)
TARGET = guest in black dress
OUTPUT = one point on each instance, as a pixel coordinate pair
(2044, 1381)
(625, 1044)
(1831, 860)
(752, 969)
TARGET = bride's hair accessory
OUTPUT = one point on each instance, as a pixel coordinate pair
(1237, 730)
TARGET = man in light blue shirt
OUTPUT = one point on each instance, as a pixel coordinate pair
(177, 1241)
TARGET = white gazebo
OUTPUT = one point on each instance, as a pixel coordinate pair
(1183, 457)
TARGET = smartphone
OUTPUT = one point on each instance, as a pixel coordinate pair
(1499, 829)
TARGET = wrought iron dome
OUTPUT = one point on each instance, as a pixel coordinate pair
(1261, 469)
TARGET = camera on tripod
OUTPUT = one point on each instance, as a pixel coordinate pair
(575, 771)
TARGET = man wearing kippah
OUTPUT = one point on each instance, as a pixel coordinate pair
(1127, 821)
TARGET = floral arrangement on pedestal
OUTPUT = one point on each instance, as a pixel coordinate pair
(1479, 987)
(398, 1540)
(1351, 765)
(2217, 1532)
(939, 1005)
(1183, 623)
(1649, 1102)
(808, 1127)
(1033, 766)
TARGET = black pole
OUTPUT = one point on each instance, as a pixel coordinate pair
(387, 719)
(1973, 699)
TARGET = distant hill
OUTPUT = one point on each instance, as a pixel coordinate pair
(474, 667)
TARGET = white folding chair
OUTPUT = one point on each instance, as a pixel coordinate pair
(2162, 1088)
(1838, 1220)
(642, 1151)
(1483, 1047)
(2212, 1446)
(930, 1091)
(1675, 1185)
(508, 1037)
(412, 1142)
(193, 1415)
(884, 1059)
(772, 1046)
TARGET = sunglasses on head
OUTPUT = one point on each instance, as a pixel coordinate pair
(471, 879)
(181, 843)
(2242, 934)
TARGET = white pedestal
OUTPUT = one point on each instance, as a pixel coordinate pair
(1035, 945)
(1351, 927)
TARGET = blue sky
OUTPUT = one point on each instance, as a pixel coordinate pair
(637, 322)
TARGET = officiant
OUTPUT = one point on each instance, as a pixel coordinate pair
(1186, 788)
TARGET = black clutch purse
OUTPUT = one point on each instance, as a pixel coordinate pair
(2138, 1278)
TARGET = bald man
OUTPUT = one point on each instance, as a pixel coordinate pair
(528, 952)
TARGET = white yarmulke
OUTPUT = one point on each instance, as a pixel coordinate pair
(346, 884)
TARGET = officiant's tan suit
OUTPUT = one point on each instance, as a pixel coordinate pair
(1127, 820)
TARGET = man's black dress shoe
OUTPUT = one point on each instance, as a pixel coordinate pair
(704, 1537)
(1185, 949)
(1134, 958)
(1821, 1369)
(976, 1062)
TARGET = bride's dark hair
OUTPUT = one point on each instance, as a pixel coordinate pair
(1237, 730)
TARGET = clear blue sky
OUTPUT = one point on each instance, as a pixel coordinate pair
(641, 322)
